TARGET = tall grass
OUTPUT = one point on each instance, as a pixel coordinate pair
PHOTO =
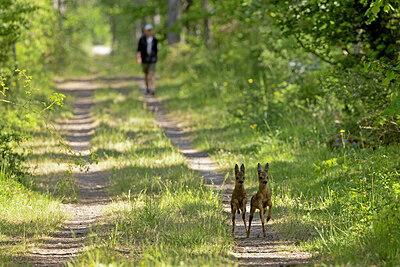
(25, 216)
(340, 204)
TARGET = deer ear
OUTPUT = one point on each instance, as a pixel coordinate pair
(242, 168)
(266, 167)
(236, 168)
(259, 167)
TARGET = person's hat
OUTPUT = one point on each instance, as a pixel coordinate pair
(148, 27)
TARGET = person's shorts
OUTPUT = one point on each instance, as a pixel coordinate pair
(149, 67)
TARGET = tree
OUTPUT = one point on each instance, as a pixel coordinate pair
(207, 34)
(60, 6)
(12, 21)
(173, 11)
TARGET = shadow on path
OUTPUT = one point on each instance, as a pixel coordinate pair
(63, 245)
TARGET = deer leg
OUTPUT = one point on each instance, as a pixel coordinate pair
(252, 211)
(269, 211)
(233, 221)
(262, 221)
(233, 210)
(244, 215)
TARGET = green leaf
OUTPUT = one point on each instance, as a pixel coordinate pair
(375, 9)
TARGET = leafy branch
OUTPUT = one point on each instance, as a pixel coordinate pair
(56, 99)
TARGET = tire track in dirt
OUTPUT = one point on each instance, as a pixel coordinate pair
(68, 241)
(253, 251)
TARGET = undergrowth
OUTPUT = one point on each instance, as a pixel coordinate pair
(341, 203)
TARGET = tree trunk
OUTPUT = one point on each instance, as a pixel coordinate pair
(138, 28)
(14, 49)
(189, 4)
(113, 34)
(173, 15)
(207, 34)
(60, 6)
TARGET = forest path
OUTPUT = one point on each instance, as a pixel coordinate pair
(69, 240)
(253, 251)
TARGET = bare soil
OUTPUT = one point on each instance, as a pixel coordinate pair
(69, 240)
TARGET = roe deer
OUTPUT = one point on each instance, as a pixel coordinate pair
(239, 197)
(261, 199)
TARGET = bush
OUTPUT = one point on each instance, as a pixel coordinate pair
(11, 160)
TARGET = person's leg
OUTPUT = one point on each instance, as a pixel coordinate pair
(146, 80)
(152, 77)
(145, 68)
(152, 82)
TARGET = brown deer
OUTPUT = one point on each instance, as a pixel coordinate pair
(261, 199)
(239, 197)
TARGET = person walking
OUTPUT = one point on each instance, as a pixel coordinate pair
(147, 56)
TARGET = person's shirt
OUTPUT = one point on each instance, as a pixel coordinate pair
(148, 49)
(149, 45)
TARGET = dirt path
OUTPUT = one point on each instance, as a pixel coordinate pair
(253, 251)
(68, 241)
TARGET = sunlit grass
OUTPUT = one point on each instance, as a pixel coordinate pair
(30, 204)
(51, 165)
(25, 216)
(164, 214)
(331, 203)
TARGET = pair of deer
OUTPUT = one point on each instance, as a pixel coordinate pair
(259, 201)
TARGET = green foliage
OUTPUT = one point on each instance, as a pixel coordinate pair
(21, 111)
(299, 55)
(307, 51)
(13, 19)
(280, 79)
(341, 204)
(25, 216)
(84, 24)
(352, 34)
(10, 159)
(28, 37)
(341, 31)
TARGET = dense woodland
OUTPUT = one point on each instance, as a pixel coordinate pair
(311, 86)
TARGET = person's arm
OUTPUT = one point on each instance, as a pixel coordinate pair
(155, 49)
(139, 54)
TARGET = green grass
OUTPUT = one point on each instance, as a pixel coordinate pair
(164, 214)
(31, 204)
(341, 205)
(26, 216)
(51, 168)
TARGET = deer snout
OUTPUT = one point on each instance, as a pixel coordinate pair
(265, 182)
(241, 182)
